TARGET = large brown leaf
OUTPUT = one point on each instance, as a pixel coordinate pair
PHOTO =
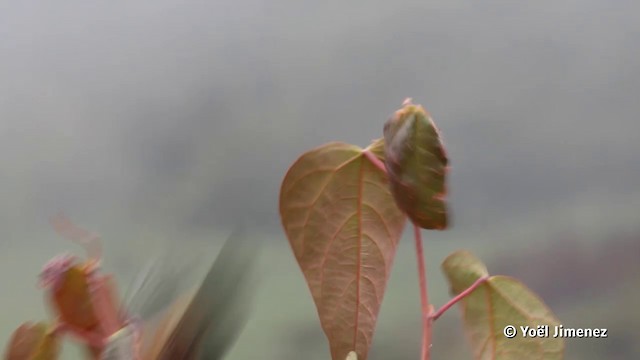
(343, 226)
(417, 165)
(496, 304)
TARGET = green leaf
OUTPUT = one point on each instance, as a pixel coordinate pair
(343, 227)
(203, 323)
(500, 302)
(417, 165)
(33, 341)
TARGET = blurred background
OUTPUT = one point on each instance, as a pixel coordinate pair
(156, 123)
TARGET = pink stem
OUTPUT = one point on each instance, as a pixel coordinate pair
(375, 160)
(458, 297)
(425, 354)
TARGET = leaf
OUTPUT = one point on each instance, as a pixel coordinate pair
(497, 303)
(343, 227)
(71, 299)
(206, 323)
(155, 287)
(417, 165)
(105, 300)
(33, 341)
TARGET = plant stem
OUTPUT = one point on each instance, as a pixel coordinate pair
(374, 159)
(425, 354)
(457, 298)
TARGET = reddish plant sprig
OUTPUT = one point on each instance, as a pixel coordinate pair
(435, 315)
(428, 313)
(75, 284)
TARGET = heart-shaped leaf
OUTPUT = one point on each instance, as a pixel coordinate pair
(33, 341)
(343, 226)
(417, 165)
(496, 304)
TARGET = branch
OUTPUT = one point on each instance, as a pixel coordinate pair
(424, 296)
(458, 297)
(375, 160)
(89, 240)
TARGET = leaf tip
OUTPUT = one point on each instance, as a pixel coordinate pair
(462, 268)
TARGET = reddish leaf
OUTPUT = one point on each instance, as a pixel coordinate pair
(417, 166)
(33, 342)
(85, 302)
(343, 226)
(72, 300)
(106, 304)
